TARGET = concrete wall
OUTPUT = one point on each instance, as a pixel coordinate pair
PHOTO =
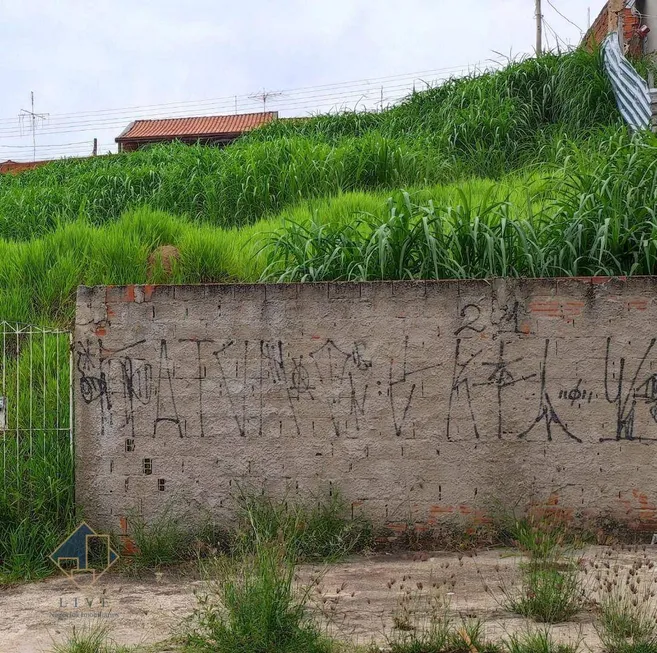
(420, 401)
(649, 9)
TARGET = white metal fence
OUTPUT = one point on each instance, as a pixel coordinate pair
(36, 413)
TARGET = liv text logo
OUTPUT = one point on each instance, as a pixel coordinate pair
(84, 556)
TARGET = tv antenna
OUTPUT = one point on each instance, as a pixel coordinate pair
(263, 96)
(34, 119)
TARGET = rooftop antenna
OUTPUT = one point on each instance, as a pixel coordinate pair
(34, 117)
(263, 96)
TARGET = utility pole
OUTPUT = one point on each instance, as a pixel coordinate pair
(33, 122)
(539, 29)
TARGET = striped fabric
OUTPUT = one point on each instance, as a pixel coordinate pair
(631, 91)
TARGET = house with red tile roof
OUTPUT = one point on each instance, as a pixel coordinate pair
(207, 130)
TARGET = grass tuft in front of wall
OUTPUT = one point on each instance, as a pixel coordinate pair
(312, 528)
(253, 604)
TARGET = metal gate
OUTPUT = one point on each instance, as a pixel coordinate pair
(36, 421)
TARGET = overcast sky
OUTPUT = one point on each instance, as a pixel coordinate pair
(84, 56)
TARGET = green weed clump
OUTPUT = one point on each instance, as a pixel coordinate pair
(311, 530)
(545, 536)
(447, 638)
(547, 594)
(316, 529)
(591, 216)
(537, 641)
(254, 602)
(550, 589)
(624, 594)
(90, 638)
(442, 635)
(254, 606)
(627, 621)
(161, 542)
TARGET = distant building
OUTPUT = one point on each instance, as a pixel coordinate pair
(209, 130)
(10, 167)
(635, 20)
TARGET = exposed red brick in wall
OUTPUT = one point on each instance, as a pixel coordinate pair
(598, 30)
(608, 21)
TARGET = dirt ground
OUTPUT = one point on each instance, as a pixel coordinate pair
(357, 599)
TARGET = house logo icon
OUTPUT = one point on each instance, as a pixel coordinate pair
(84, 556)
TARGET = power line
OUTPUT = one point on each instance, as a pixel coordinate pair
(350, 94)
(41, 147)
(229, 100)
(565, 17)
(554, 33)
(249, 100)
(316, 100)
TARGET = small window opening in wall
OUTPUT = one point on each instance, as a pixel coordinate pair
(129, 444)
(160, 484)
(148, 466)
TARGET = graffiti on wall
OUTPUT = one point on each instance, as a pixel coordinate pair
(482, 375)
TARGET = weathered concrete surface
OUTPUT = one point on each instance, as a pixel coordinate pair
(419, 401)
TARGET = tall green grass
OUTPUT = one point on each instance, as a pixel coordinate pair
(592, 215)
(36, 466)
(484, 112)
(39, 277)
(254, 605)
(483, 125)
(314, 529)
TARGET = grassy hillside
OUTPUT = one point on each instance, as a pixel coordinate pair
(523, 172)
(592, 215)
(484, 126)
(38, 278)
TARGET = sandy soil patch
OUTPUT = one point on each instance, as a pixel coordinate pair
(358, 599)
